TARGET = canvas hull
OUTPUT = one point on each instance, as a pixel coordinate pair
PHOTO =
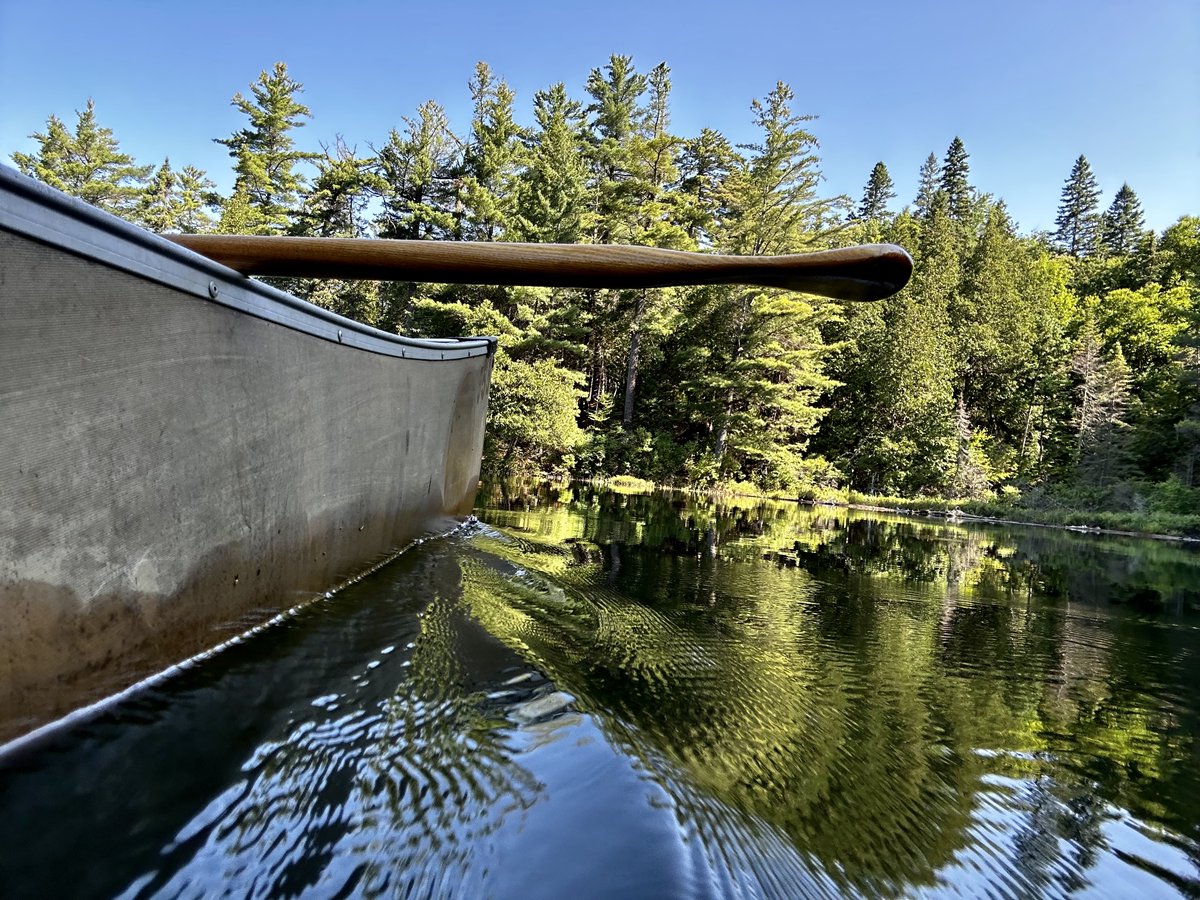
(185, 452)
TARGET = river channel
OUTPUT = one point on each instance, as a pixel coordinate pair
(592, 694)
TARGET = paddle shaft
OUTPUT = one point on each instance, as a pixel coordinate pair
(869, 272)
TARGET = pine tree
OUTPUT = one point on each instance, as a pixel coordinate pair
(653, 169)
(1078, 220)
(265, 152)
(954, 180)
(87, 164)
(1122, 225)
(491, 159)
(552, 188)
(878, 192)
(927, 186)
(336, 206)
(704, 162)
(615, 116)
(420, 168)
(177, 201)
(763, 358)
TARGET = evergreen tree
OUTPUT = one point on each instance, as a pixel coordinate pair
(704, 162)
(954, 182)
(616, 115)
(970, 465)
(1121, 227)
(491, 159)
(878, 192)
(177, 201)
(265, 152)
(336, 206)
(239, 215)
(420, 169)
(653, 170)
(552, 188)
(763, 370)
(927, 186)
(87, 164)
(1078, 220)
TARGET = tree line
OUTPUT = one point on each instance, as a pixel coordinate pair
(1063, 363)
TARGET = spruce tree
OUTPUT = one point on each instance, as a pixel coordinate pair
(1122, 225)
(878, 192)
(265, 152)
(927, 186)
(1078, 220)
(1104, 396)
(87, 164)
(954, 180)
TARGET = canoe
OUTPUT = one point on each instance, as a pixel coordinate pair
(185, 451)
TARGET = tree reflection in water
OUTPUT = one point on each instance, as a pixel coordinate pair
(902, 702)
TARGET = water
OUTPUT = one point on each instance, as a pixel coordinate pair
(596, 695)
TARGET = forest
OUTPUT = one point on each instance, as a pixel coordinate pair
(1038, 371)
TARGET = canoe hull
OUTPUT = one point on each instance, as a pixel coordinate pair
(174, 470)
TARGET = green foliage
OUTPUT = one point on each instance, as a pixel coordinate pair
(551, 191)
(265, 152)
(1078, 220)
(419, 168)
(491, 160)
(878, 192)
(927, 186)
(87, 163)
(1121, 227)
(954, 182)
(177, 202)
(531, 416)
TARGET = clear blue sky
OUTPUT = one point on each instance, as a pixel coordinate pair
(1027, 85)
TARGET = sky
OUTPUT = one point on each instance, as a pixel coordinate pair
(1028, 86)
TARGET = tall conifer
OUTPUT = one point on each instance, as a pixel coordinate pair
(265, 152)
(87, 164)
(954, 180)
(878, 192)
(1121, 227)
(1078, 220)
(927, 186)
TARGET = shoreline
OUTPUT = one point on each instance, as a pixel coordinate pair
(948, 513)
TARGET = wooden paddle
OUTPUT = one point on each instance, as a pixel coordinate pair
(869, 272)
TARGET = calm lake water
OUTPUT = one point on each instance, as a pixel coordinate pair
(589, 694)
